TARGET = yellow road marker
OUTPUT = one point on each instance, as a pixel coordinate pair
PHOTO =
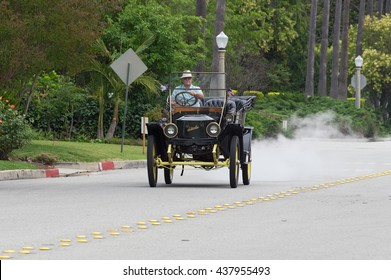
(25, 252)
(28, 248)
(81, 236)
(98, 237)
(127, 230)
(191, 216)
(155, 224)
(96, 233)
(4, 257)
(44, 248)
(82, 240)
(179, 218)
(114, 233)
(167, 221)
(9, 251)
(141, 223)
(176, 215)
(65, 244)
(65, 240)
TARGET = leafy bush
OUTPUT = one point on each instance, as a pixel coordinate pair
(272, 109)
(14, 130)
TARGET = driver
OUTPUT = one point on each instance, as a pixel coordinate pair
(187, 94)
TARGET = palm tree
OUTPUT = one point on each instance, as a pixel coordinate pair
(343, 73)
(323, 49)
(335, 62)
(309, 81)
(360, 27)
(219, 26)
(111, 81)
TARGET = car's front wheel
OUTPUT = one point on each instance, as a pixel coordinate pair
(234, 162)
(151, 161)
(246, 173)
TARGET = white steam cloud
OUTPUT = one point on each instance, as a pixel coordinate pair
(302, 157)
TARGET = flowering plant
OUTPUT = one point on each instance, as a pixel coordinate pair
(15, 132)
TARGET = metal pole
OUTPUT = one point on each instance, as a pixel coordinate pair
(358, 88)
(125, 107)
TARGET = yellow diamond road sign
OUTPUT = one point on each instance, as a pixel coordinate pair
(128, 67)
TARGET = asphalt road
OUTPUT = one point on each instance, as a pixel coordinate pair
(308, 199)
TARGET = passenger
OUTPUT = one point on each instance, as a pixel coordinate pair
(187, 94)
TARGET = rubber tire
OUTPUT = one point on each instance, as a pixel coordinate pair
(151, 163)
(168, 175)
(246, 173)
(234, 162)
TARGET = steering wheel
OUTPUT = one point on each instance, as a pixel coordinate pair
(183, 99)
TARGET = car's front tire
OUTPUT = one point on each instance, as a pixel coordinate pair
(234, 162)
(151, 161)
(246, 173)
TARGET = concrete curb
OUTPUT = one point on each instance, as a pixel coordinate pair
(66, 169)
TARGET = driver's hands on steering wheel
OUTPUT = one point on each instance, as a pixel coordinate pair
(183, 99)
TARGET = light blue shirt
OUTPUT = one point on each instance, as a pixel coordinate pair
(182, 88)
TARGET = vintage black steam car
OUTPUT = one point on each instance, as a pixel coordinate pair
(203, 126)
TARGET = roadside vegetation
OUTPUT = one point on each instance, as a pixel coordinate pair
(61, 101)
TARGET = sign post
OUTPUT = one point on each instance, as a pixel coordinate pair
(122, 67)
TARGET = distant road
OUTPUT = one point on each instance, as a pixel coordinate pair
(308, 199)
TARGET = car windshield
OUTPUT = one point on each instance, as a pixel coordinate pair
(208, 88)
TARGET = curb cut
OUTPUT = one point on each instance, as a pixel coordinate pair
(70, 168)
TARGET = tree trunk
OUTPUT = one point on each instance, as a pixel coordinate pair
(370, 8)
(31, 91)
(309, 80)
(335, 59)
(101, 113)
(360, 27)
(114, 121)
(388, 7)
(219, 26)
(201, 12)
(343, 72)
(323, 49)
(379, 8)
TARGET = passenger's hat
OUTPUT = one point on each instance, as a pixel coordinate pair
(186, 74)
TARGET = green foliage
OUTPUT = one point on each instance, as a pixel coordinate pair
(59, 109)
(258, 94)
(66, 151)
(14, 130)
(45, 35)
(271, 110)
(176, 38)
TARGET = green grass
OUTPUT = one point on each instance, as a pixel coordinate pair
(63, 151)
(13, 165)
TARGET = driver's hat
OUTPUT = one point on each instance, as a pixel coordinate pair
(186, 74)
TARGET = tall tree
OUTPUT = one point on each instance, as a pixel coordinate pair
(201, 12)
(370, 8)
(219, 26)
(343, 72)
(323, 49)
(360, 27)
(388, 7)
(41, 36)
(379, 8)
(309, 80)
(335, 58)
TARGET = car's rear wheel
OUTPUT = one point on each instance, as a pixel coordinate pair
(234, 162)
(151, 161)
(246, 173)
(168, 175)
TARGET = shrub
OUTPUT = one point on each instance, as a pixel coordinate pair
(14, 130)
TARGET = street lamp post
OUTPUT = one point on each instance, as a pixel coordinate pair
(358, 61)
(221, 41)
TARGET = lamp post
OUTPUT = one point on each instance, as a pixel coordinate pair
(221, 41)
(358, 61)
